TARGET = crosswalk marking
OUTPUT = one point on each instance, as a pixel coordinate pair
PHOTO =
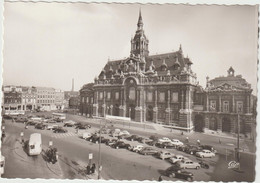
(64, 135)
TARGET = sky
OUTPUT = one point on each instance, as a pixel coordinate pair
(48, 44)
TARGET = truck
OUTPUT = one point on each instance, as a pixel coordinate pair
(35, 144)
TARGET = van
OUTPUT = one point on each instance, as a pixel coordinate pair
(2, 165)
(35, 144)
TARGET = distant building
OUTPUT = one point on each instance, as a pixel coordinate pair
(59, 99)
(68, 95)
(224, 98)
(45, 98)
(29, 98)
(12, 98)
(86, 100)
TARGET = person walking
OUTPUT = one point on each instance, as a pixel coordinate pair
(160, 178)
(93, 168)
(187, 139)
(88, 170)
(198, 142)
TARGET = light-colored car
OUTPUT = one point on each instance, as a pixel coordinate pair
(165, 155)
(205, 154)
(176, 142)
(137, 148)
(177, 158)
(164, 139)
(86, 135)
(186, 163)
(51, 127)
(123, 133)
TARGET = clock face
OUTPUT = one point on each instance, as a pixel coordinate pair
(131, 81)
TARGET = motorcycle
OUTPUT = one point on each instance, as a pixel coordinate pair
(52, 155)
(204, 165)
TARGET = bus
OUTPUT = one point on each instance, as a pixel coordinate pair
(35, 144)
(2, 165)
(59, 116)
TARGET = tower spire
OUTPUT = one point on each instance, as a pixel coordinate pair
(140, 20)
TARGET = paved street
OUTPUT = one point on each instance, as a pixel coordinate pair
(119, 164)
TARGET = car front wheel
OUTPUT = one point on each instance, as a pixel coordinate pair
(172, 175)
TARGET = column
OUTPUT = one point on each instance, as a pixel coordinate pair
(122, 107)
(182, 99)
(95, 105)
(207, 102)
(138, 108)
(168, 109)
(104, 107)
(247, 104)
(155, 109)
(220, 106)
(233, 104)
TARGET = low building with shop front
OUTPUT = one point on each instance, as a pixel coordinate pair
(86, 100)
(12, 98)
(227, 106)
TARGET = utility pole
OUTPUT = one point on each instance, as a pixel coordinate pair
(238, 134)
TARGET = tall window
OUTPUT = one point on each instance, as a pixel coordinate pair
(162, 96)
(116, 95)
(132, 93)
(174, 96)
(108, 95)
(100, 95)
(239, 106)
(212, 105)
(149, 96)
(225, 106)
(87, 100)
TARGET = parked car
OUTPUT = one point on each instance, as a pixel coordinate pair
(132, 137)
(208, 147)
(111, 142)
(60, 130)
(115, 132)
(177, 158)
(165, 145)
(205, 154)
(120, 144)
(5, 116)
(164, 139)
(176, 142)
(31, 123)
(137, 148)
(51, 127)
(186, 163)
(58, 120)
(69, 123)
(86, 135)
(152, 143)
(174, 171)
(165, 155)
(192, 149)
(104, 131)
(148, 151)
(21, 119)
(95, 138)
(154, 138)
(41, 126)
(123, 134)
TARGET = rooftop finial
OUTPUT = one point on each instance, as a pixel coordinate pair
(180, 49)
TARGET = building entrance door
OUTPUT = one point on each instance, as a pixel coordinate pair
(116, 110)
(149, 113)
(199, 123)
(132, 111)
(226, 125)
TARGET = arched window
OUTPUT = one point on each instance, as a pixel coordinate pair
(132, 93)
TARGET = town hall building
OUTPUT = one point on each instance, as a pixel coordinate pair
(163, 89)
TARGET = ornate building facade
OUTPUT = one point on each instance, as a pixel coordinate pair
(228, 105)
(157, 88)
(163, 89)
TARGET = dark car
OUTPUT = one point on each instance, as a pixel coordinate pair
(132, 137)
(175, 171)
(31, 123)
(148, 151)
(60, 130)
(165, 145)
(152, 143)
(68, 125)
(192, 149)
(7, 116)
(21, 119)
(120, 144)
(40, 126)
(95, 139)
(58, 120)
(111, 142)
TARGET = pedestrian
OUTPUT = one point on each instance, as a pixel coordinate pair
(88, 170)
(93, 168)
(181, 133)
(219, 141)
(160, 179)
(198, 142)
(187, 139)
